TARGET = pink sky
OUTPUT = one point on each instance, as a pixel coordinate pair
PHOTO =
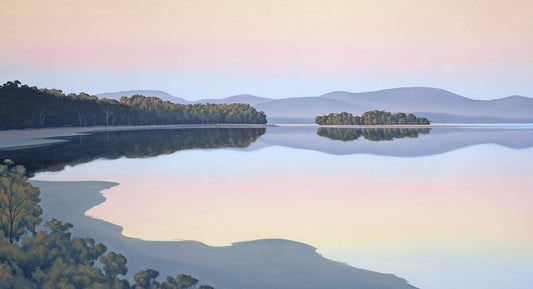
(195, 49)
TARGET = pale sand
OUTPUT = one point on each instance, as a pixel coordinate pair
(260, 264)
(17, 138)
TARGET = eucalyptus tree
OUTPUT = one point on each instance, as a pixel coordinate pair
(146, 279)
(19, 202)
(114, 265)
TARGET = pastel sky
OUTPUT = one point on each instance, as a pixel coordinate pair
(217, 48)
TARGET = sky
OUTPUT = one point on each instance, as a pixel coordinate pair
(270, 48)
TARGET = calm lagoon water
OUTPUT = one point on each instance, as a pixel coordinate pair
(446, 208)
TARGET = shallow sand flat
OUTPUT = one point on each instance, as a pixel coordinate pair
(18, 138)
(260, 264)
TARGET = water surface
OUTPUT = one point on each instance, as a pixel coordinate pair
(446, 208)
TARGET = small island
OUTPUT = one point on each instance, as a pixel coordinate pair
(376, 117)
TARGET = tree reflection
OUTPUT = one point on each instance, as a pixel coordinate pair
(372, 134)
(130, 144)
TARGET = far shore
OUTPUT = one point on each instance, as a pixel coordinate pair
(20, 138)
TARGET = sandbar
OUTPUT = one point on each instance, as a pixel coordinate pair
(259, 264)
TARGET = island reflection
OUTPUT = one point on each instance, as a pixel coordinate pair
(131, 144)
(371, 134)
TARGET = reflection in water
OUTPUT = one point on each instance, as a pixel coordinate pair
(457, 216)
(131, 144)
(460, 219)
(372, 134)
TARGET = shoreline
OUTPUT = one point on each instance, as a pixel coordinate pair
(241, 265)
(33, 137)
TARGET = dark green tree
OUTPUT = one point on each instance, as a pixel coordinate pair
(19, 202)
(374, 117)
(146, 279)
(186, 281)
(114, 264)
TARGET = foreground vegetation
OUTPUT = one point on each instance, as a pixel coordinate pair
(22, 106)
(375, 117)
(51, 258)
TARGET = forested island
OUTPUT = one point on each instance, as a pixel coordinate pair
(376, 117)
(51, 258)
(22, 106)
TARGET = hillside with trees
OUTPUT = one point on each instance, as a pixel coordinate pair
(51, 258)
(22, 106)
(376, 117)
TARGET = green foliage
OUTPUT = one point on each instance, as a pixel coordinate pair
(375, 117)
(182, 281)
(22, 106)
(52, 259)
(19, 209)
(146, 279)
(114, 264)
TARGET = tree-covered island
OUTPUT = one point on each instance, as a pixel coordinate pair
(376, 117)
(22, 106)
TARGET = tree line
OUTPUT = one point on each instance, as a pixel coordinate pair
(22, 106)
(376, 117)
(51, 258)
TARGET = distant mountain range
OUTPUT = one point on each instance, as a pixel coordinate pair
(438, 105)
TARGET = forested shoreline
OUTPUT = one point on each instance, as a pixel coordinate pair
(22, 106)
(376, 117)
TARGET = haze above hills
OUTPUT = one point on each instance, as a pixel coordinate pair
(438, 105)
